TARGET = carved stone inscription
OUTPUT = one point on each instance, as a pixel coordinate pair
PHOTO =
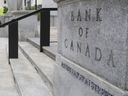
(83, 32)
(86, 81)
(94, 37)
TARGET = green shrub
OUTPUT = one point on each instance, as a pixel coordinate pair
(5, 9)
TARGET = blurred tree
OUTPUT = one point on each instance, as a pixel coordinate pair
(1, 11)
(5, 10)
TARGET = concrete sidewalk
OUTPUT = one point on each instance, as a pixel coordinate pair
(21, 77)
(7, 85)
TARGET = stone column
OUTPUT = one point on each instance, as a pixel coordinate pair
(14, 4)
(92, 48)
(51, 4)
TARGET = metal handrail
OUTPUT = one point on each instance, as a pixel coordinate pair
(44, 30)
(27, 15)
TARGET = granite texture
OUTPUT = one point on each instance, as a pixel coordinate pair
(72, 80)
(93, 35)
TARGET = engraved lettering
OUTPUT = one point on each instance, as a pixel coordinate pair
(98, 17)
(79, 47)
(72, 16)
(87, 29)
(81, 78)
(80, 31)
(72, 46)
(66, 43)
(88, 15)
(111, 60)
(87, 53)
(98, 54)
(86, 81)
(79, 18)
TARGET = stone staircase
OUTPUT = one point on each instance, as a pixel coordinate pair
(41, 62)
(29, 75)
(7, 85)
(49, 51)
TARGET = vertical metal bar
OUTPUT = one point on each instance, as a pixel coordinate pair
(13, 40)
(44, 29)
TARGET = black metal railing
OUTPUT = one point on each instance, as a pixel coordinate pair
(44, 30)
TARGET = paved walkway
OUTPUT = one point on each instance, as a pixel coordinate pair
(29, 75)
(26, 76)
(42, 63)
(7, 85)
(29, 82)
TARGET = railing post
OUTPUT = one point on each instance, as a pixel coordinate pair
(13, 40)
(44, 29)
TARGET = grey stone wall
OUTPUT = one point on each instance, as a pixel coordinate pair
(93, 38)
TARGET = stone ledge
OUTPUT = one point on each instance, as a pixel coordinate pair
(42, 63)
(29, 82)
(92, 84)
(7, 84)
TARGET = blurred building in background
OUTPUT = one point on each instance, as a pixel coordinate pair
(3, 3)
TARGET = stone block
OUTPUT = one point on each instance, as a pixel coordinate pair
(73, 80)
(93, 35)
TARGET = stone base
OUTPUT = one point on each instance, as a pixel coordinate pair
(73, 80)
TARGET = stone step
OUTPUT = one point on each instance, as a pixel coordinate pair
(29, 82)
(35, 42)
(7, 84)
(50, 51)
(43, 64)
